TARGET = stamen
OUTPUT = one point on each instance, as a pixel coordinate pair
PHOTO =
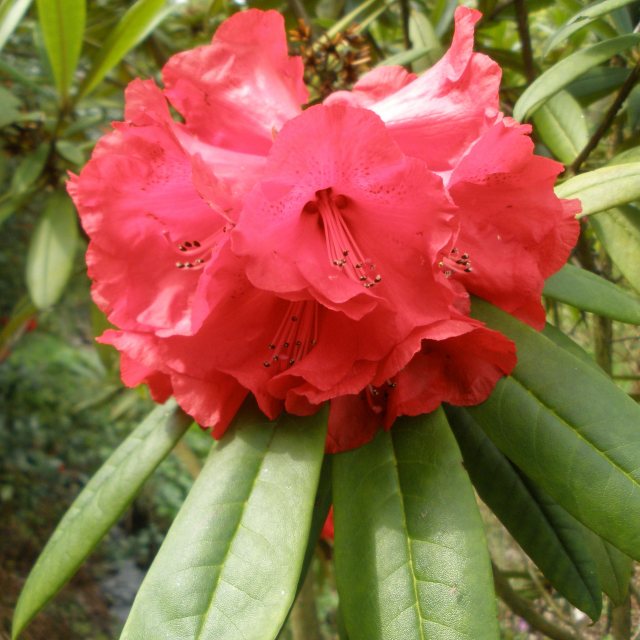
(342, 250)
(455, 263)
(296, 335)
(198, 250)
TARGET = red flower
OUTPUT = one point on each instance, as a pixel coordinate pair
(317, 255)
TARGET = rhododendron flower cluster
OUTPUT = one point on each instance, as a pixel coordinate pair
(318, 254)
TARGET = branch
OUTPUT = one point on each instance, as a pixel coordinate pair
(525, 39)
(608, 119)
(522, 608)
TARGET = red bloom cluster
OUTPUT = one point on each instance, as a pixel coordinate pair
(325, 254)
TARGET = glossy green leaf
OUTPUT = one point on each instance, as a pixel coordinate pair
(597, 83)
(136, 24)
(570, 429)
(11, 12)
(587, 291)
(583, 19)
(603, 188)
(423, 36)
(62, 24)
(410, 553)
(51, 251)
(548, 534)
(404, 57)
(568, 69)
(614, 567)
(562, 340)
(98, 507)
(230, 563)
(561, 125)
(619, 232)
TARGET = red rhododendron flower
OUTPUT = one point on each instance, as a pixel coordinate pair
(317, 255)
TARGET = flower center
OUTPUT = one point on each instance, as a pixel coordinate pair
(455, 262)
(194, 253)
(342, 249)
(377, 397)
(296, 335)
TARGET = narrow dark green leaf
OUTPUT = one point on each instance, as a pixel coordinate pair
(51, 251)
(619, 232)
(568, 69)
(29, 169)
(62, 24)
(561, 125)
(585, 290)
(597, 83)
(410, 554)
(582, 19)
(423, 36)
(603, 188)
(136, 24)
(230, 563)
(98, 507)
(614, 567)
(570, 429)
(548, 534)
(562, 340)
(11, 12)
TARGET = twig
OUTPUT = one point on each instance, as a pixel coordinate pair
(404, 9)
(522, 608)
(608, 119)
(525, 39)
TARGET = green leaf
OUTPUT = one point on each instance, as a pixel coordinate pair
(597, 83)
(603, 188)
(230, 563)
(136, 24)
(51, 251)
(9, 107)
(11, 12)
(619, 232)
(29, 169)
(98, 507)
(548, 534)
(582, 19)
(403, 58)
(410, 553)
(614, 568)
(587, 291)
(562, 126)
(568, 69)
(570, 429)
(62, 23)
(423, 36)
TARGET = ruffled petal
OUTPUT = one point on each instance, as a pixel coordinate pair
(461, 370)
(138, 204)
(437, 116)
(514, 228)
(237, 91)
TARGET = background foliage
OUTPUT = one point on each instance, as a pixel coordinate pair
(569, 67)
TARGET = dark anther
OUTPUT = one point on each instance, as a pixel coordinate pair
(294, 318)
(286, 345)
(266, 364)
(188, 244)
(196, 243)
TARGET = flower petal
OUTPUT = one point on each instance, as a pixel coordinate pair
(245, 77)
(515, 229)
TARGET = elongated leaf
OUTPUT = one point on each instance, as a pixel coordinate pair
(98, 507)
(230, 563)
(587, 291)
(404, 57)
(29, 169)
(597, 83)
(570, 429)
(619, 232)
(423, 36)
(582, 19)
(62, 23)
(561, 124)
(614, 568)
(136, 24)
(410, 555)
(51, 251)
(11, 12)
(603, 188)
(548, 534)
(568, 69)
